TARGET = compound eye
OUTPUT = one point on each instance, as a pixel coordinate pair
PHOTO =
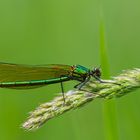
(96, 72)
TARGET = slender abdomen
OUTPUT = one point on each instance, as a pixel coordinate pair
(32, 84)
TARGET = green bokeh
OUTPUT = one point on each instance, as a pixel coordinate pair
(68, 32)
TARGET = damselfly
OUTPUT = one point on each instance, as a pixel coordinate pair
(25, 76)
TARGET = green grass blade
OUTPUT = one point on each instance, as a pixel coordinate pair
(109, 108)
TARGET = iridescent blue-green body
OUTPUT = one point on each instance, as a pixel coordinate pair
(26, 76)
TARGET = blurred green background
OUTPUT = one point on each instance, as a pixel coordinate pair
(68, 32)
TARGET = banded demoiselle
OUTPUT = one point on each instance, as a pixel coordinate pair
(19, 76)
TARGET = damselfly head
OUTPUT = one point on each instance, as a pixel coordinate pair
(96, 72)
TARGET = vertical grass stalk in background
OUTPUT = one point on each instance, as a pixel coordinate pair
(109, 108)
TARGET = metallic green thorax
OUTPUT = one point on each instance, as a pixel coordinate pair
(81, 70)
(79, 73)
